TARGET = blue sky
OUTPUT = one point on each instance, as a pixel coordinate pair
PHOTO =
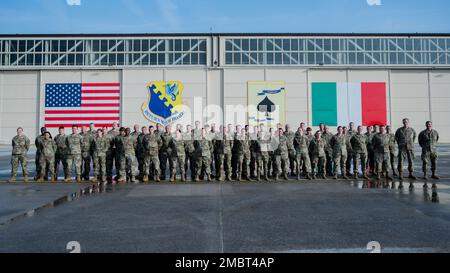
(159, 16)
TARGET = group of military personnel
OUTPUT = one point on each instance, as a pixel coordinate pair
(241, 153)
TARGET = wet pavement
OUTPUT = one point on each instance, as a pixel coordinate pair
(318, 216)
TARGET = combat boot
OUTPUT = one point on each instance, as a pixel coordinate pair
(400, 176)
(40, 179)
(208, 178)
(157, 179)
(12, 179)
(94, 179)
(324, 176)
(308, 176)
(335, 176)
(183, 177)
(25, 179)
(133, 179)
(196, 179)
(411, 176)
(145, 178)
(66, 179)
(298, 176)
(425, 177)
(172, 178)
(78, 179)
(285, 176)
(103, 179)
(365, 175)
(434, 176)
(314, 176)
(229, 177)
(379, 176)
(239, 177)
(355, 175)
(277, 177)
(411, 186)
(394, 173)
(53, 179)
(344, 176)
(425, 185)
(387, 176)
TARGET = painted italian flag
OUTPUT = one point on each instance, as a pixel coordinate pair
(335, 104)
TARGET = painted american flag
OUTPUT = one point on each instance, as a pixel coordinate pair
(81, 103)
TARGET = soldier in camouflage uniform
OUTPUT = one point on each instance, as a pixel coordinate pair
(203, 148)
(350, 156)
(20, 146)
(178, 156)
(61, 152)
(391, 148)
(190, 152)
(428, 139)
(264, 139)
(140, 150)
(317, 150)
(100, 146)
(370, 152)
(86, 150)
(282, 155)
(165, 151)
(219, 147)
(405, 138)
(129, 164)
(73, 143)
(93, 133)
(327, 136)
(291, 151)
(254, 150)
(381, 143)
(213, 134)
(339, 144)
(47, 157)
(301, 145)
(111, 152)
(359, 149)
(242, 143)
(37, 161)
(152, 143)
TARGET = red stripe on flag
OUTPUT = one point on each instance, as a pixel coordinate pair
(98, 125)
(56, 112)
(373, 100)
(100, 91)
(100, 98)
(100, 105)
(100, 84)
(80, 118)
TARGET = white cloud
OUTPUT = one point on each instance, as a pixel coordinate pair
(73, 2)
(374, 2)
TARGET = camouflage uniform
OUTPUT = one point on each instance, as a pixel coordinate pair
(120, 158)
(164, 154)
(213, 137)
(291, 151)
(282, 157)
(381, 148)
(328, 153)
(264, 139)
(100, 147)
(61, 154)
(111, 153)
(301, 145)
(47, 158)
(222, 148)
(428, 140)
(242, 143)
(203, 148)
(339, 144)
(20, 146)
(74, 143)
(392, 150)
(253, 154)
(152, 143)
(317, 148)
(86, 151)
(178, 157)
(37, 143)
(405, 138)
(129, 164)
(359, 149)
(350, 155)
(190, 154)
